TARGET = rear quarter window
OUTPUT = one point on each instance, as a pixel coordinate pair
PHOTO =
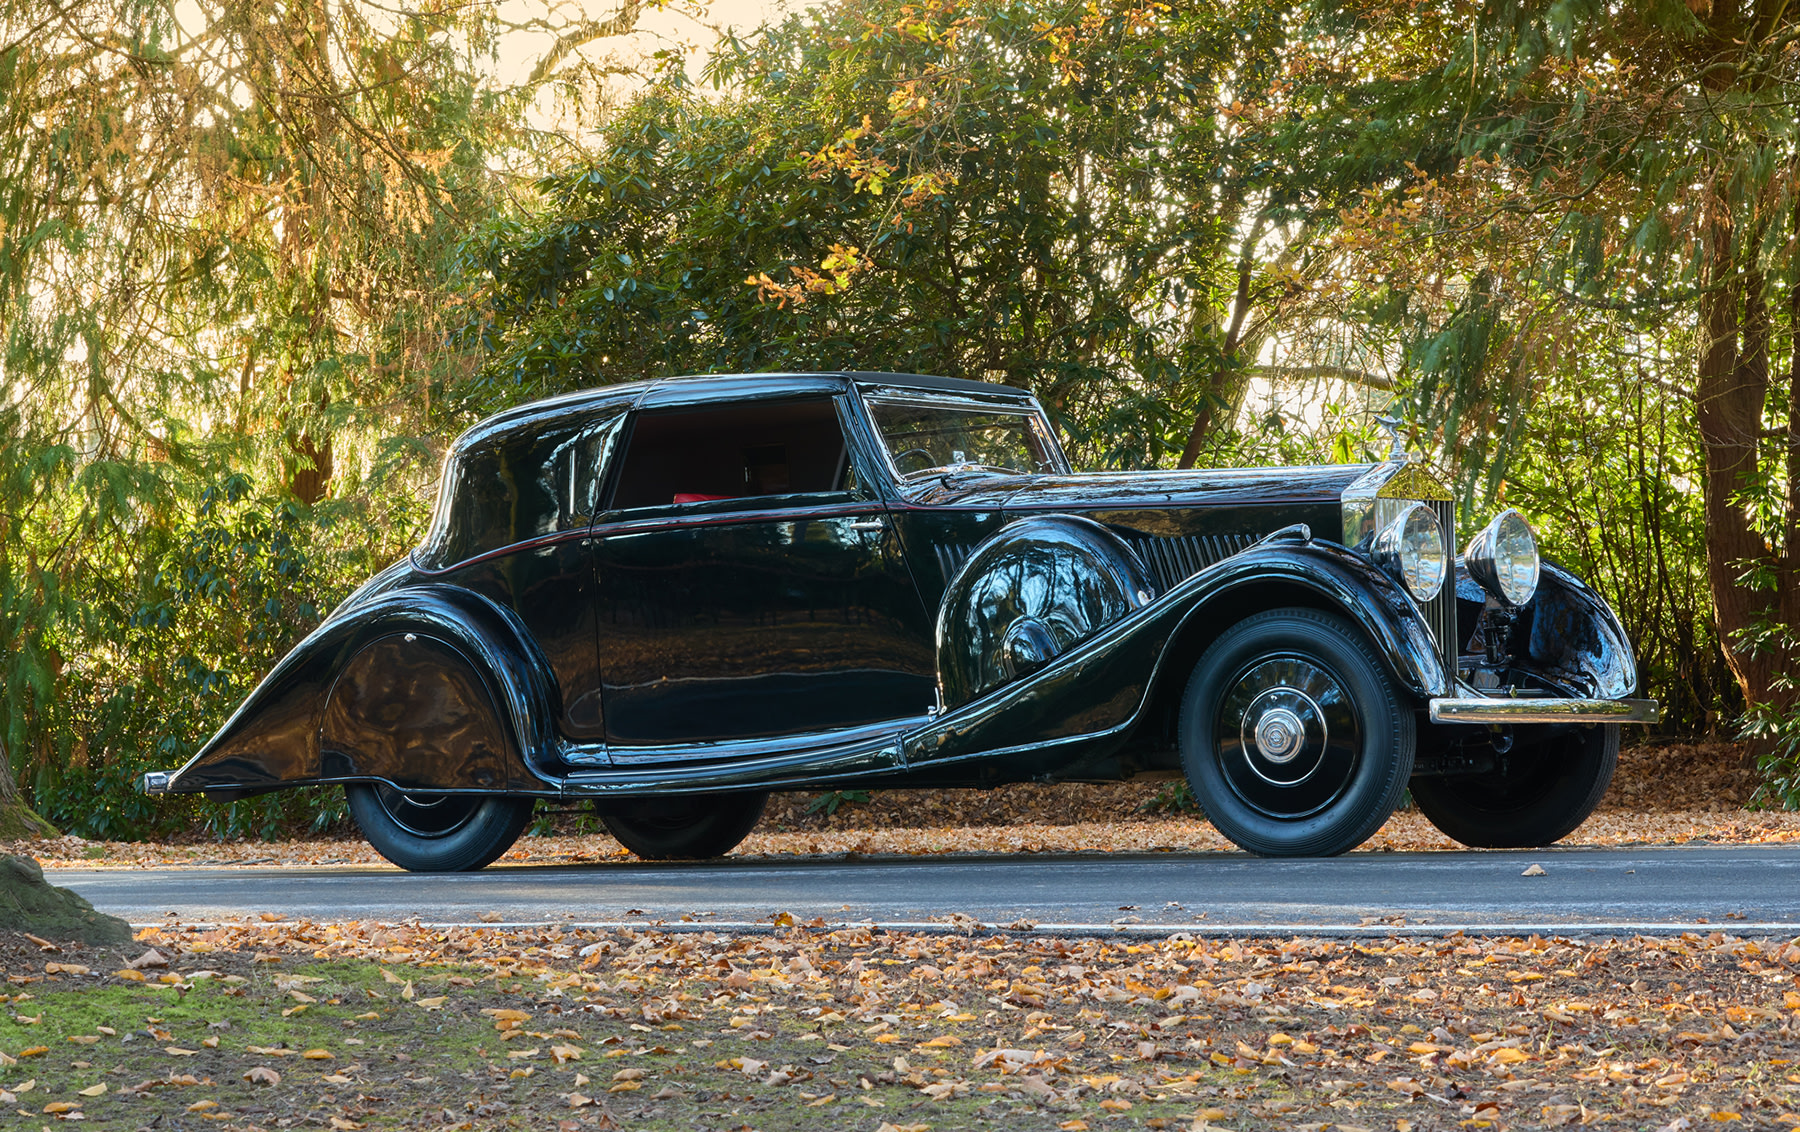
(518, 488)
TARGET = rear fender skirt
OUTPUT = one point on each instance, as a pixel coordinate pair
(1099, 688)
(328, 687)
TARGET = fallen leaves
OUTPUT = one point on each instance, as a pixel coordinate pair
(1115, 828)
(262, 1075)
(1304, 1033)
(150, 958)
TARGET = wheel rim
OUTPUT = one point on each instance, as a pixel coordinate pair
(1287, 736)
(427, 815)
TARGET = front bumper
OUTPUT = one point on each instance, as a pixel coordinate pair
(157, 781)
(1546, 709)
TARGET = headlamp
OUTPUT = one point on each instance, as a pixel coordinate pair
(1504, 558)
(1411, 547)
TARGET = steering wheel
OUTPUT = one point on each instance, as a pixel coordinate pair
(929, 461)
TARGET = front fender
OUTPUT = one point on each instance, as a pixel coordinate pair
(273, 739)
(1573, 638)
(1101, 687)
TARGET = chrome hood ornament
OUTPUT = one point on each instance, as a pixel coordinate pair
(1397, 449)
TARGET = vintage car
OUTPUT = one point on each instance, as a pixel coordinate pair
(666, 599)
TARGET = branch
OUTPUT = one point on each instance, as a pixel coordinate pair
(583, 33)
(1337, 373)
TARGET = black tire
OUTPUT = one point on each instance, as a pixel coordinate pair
(1547, 789)
(424, 832)
(1293, 739)
(682, 826)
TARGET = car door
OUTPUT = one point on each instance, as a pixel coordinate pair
(750, 585)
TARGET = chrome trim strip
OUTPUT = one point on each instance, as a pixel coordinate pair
(1497, 709)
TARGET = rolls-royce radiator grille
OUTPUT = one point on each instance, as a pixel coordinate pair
(1440, 611)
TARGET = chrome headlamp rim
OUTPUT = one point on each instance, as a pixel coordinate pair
(1411, 548)
(1503, 557)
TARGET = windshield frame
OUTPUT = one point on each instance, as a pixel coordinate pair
(1027, 410)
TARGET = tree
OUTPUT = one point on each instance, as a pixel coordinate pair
(1071, 199)
(1631, 166)
(229, 238)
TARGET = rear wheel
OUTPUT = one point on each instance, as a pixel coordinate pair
(1543, 790)
(1292, 737)
(676, 826)
(436, 833)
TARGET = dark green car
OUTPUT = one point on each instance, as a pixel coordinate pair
(669, 598)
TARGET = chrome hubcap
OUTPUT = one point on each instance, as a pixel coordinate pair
(1287, 736)
(1279, 734)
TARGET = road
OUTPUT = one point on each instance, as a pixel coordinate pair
(1745, 890)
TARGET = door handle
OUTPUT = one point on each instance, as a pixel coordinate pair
(873, 526)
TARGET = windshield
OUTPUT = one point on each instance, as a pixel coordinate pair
(924, 439)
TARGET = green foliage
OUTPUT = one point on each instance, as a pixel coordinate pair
(259, 264)
(161, 630)
(830, 801)
(996, 190)
(228, 243)
(1173, 797)
(1596, 235)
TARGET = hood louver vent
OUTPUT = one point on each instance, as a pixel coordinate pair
(1174, 560)
(1170, 561)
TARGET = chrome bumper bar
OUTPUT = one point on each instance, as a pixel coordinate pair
(157, 781)
(1500, 709)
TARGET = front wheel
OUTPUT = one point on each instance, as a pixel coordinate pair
(677, 826)
(1543, 789)
(1293, 739)
(436, 833)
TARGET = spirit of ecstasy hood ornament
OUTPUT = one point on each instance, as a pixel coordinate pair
(1391, 425)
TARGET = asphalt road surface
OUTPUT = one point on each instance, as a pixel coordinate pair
(1744, 890)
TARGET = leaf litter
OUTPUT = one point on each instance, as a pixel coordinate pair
(814, 1029)
(1665, 793)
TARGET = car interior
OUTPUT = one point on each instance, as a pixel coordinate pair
(700, 455)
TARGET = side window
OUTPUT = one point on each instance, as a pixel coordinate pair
(684, 456)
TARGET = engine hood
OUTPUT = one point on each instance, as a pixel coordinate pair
(1153, 490)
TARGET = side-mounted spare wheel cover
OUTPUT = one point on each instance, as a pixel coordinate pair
(1028, 595)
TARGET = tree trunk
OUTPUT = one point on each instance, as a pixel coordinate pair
(312, 469)
(1730, 394)
(1219, 382)
(18, 821)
